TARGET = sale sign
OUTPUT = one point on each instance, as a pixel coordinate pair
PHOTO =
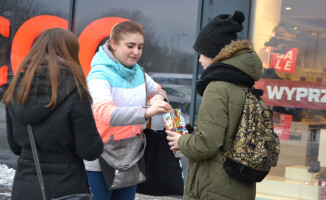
(283, 128)
(293, 94)
(322, 193)
(282, 131)
(286, 62)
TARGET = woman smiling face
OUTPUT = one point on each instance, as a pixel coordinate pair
(129, 49)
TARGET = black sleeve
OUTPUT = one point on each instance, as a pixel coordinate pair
(14, 146)
(88, 143)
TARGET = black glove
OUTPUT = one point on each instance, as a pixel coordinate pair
(190, 128)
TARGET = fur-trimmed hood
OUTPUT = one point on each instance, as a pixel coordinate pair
(240, 55)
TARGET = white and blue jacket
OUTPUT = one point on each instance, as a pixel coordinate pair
(119, 98)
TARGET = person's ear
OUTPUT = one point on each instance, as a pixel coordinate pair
(113, 44)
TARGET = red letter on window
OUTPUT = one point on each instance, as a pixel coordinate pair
(4, 30)
(4, 26)
(92, 35)
(27, 33)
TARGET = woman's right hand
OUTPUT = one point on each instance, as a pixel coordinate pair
(157, 107)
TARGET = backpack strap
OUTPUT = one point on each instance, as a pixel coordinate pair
(246, 89)
(228, 139)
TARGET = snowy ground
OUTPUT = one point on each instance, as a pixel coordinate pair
(7, 175)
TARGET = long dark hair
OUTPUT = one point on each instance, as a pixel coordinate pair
(51, 43)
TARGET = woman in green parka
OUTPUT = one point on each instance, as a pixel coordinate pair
(229, 63)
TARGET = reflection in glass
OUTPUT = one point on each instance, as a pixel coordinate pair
(168, 38)
(17, 13)
(290, 38)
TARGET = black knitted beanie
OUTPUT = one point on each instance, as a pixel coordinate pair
(218, 33)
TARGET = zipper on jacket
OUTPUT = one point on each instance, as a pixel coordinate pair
(130, 79)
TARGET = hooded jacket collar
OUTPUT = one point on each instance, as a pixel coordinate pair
(240, 55)
(222, 72)
(230, 50)
(105, 57)
(236, 63)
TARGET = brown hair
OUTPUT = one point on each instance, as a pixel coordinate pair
(123, 28)
(51, 43)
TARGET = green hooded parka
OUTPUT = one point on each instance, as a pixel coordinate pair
(217, 123)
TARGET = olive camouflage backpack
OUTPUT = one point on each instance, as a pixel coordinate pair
(256, 146)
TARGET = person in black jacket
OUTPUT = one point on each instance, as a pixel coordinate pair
(49, 92)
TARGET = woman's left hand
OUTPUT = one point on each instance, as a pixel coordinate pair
(173, 137)
(157, 107)
(155, 98)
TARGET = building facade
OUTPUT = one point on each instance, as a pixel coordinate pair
(289, 37)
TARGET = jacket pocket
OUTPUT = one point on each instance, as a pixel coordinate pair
(196, 190)
(192, 181)
(219, 180)
(200, 181)
(223, 186)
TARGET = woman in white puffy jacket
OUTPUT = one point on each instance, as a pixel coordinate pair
(117, 85)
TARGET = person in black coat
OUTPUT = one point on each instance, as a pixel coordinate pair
(49, 92)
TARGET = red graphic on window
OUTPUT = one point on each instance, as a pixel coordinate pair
(3, 75)
(283, 128)
(322, 193)
(297, 94)
(89, 39)
(5, 31)
(92, 35)
(285, 63)
(27, 33)
(4, 26)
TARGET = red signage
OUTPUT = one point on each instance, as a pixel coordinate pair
(283, 128)
(27, 33)
(4, 30)
(298, 94)
(89, 39)
(285, 63)
(282, 131)
(4, 26)
(91, 36)
(322, 193)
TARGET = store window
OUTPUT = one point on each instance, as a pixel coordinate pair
(169, 36)
(211, 9)
(20, 23)
(167, 51)
(290, 38)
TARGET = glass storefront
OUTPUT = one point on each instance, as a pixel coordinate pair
(168, 37)
(210, 9)
(167, 53)
(20, 23)
(290, 37)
